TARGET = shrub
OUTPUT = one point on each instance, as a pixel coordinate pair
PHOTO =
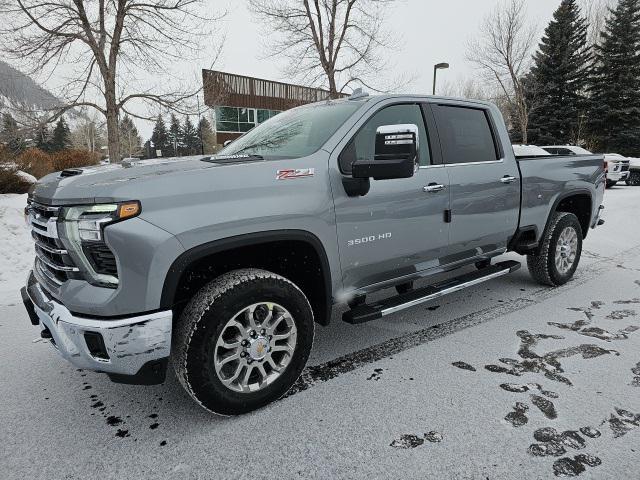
(12, 183)
(74, 159)
(36, 162)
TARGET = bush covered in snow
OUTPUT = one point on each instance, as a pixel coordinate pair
(12, 182)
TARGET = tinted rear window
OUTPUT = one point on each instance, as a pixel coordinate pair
(465, 135)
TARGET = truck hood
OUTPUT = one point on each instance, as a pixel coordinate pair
(107, 183)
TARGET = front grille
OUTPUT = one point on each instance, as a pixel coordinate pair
(624, 168)
(101, 258)
(52, 259)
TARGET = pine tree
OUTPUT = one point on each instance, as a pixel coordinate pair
(130, 141)
(558, 85)
(175, 136)
(42, 137)
(10, 134)
(190, 139)
(159, 138)
(207, 135)
(60, 137)
(614, 120)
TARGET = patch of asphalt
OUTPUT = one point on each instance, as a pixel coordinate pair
(318, 374)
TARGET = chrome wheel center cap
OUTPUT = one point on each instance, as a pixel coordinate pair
(565, 250)
(258, 348)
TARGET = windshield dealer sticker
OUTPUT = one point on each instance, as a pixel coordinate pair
(292, 173)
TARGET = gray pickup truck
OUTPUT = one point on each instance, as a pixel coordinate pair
(225, 264)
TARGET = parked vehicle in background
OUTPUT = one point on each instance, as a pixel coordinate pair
(634, 172)
(529, 151)
(616, 167)
(227, 262)
(565, 150)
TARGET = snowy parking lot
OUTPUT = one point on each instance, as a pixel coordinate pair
(504, 380)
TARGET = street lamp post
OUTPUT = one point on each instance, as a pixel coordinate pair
(439, 66)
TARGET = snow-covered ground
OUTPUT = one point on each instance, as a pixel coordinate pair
(16, 246)
(505, 380)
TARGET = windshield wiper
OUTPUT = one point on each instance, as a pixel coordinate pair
(233, 158)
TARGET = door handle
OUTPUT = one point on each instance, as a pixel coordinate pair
(433, 188)
(508, 179)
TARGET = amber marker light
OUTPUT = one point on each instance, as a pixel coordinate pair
(128, 209)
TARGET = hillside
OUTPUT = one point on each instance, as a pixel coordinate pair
(18, 91)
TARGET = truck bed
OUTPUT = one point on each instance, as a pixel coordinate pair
(545, 179)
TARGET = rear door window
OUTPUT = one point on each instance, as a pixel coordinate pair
(465, 134)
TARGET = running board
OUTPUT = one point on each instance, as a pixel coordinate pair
(366, 313)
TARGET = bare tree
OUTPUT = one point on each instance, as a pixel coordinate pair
(106, 44)
(503, 53)
(596, 11)
(329, 43)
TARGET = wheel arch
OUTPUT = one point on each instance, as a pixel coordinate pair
(580, 203)
(307, 266)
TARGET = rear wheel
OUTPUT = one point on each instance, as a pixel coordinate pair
(560, 251)
(243, 340)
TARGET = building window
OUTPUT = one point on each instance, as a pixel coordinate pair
(240, 120)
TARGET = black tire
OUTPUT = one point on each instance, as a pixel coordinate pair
(542, 266)
(634, 178)
(203, 321)
(611, 183)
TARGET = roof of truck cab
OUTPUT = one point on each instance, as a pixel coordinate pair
(401, 97)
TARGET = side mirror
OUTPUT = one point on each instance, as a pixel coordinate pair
(396, 154)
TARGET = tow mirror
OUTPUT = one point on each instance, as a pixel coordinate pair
(396, 152)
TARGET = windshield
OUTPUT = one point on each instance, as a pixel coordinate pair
(294, 133)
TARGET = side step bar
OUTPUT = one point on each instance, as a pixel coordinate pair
(366, 313)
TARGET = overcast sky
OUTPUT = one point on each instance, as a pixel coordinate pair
(432, 31)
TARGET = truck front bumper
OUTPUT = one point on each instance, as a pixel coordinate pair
(617, 176)
(130, 350)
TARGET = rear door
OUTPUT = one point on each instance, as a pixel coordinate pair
(484, 181)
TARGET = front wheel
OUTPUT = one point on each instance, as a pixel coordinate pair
(560, 251)
(611, 183)
(634, 179)
(243, 340)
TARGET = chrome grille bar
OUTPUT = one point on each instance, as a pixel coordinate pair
(53, 265)
(46, 248)
(44, 272)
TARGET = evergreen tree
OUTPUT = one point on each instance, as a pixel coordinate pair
(175, 136)
(190, 139)
(60, 137)
(130, 141)
(42, 137)
(10, 134)
(207, 135)
(559, 78)
(159, 138)
(614, 120)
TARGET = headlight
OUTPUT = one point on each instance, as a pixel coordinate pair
(83, 228)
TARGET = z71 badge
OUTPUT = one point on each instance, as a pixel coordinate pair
(291, 173)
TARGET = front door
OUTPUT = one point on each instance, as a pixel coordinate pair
(398, 227)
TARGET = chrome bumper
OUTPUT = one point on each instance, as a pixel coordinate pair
(129, 343)
(617, 176)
